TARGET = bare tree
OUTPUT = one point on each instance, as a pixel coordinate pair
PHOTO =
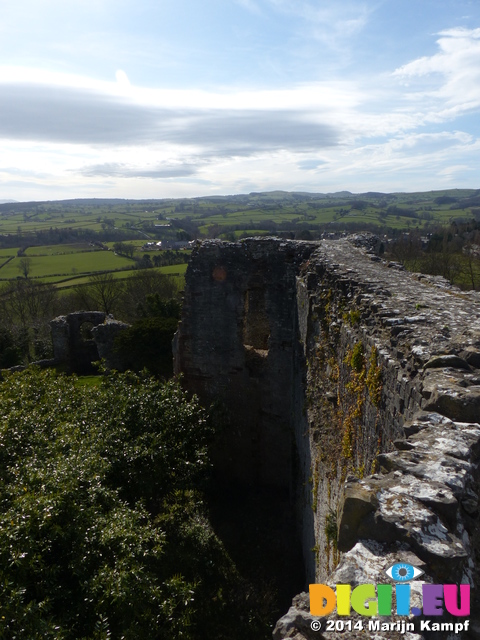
(408, 250)
(144, 283)
(25, 266)
(471, 265)
(26, 307)
(104, 291)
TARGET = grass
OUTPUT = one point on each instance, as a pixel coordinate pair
(88, 381)
(176, 270)
(7, 253)
(59, 249)
(66, 264)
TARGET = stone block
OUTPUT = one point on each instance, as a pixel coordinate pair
(355, 503)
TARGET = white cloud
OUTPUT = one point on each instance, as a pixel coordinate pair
(122, 79)
(411, 161)
(67, 115)
(59, 108)
(451, 77)
(458, 47)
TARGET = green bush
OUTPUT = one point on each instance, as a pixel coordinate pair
(147, 344)
(155, 305)
(10, 349)
(103, 533)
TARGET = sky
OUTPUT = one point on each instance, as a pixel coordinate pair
(182, 98)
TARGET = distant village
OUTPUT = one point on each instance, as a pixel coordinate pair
(168, 244)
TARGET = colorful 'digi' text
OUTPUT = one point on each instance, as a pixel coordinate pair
(368, 600)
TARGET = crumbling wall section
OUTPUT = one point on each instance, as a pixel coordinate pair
(72, 339)
(104, 335)
(84, 337)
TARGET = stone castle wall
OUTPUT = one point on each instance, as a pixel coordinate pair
(237, 344)
(352, 384)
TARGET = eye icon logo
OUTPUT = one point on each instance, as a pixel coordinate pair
(403, 572)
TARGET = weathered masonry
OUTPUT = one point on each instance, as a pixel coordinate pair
(353, 386)
(84, 337)
(237, 343)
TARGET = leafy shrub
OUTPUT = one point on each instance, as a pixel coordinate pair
(10, 350)
(102, 532)
(156, 306)
(147, 344)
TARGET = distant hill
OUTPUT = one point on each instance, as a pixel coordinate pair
(231, 217)
(255, 197)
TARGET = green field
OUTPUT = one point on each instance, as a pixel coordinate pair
(56, 249)
(63, 265)
(177, 270)
(7, 253)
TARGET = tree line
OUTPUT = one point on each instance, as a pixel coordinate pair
(59, 235)
(452, 252)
